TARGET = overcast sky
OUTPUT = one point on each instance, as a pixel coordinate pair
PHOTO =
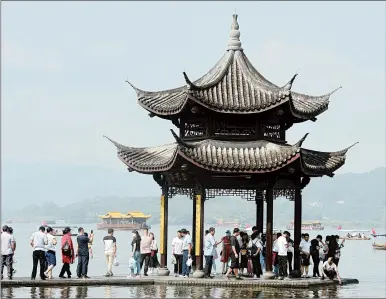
(64, 66)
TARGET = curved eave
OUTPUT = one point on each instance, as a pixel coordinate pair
(315, 163)
(147, 160)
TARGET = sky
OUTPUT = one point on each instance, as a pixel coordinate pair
(64, 66)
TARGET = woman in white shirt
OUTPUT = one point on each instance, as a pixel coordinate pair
(50, 253)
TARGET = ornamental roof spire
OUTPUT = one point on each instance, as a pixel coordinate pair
(234, 40)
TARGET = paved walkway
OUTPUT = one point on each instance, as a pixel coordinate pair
(170, 280)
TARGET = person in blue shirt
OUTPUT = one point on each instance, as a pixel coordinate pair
(209, 247)
(83, 253)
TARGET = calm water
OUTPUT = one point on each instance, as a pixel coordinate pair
(358, 260)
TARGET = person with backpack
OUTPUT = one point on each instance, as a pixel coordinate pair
(255, 248)
(68, 254)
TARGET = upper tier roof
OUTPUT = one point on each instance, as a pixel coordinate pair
(227, 156)
(233, 85)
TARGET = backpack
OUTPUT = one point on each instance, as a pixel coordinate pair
(253, 248)
(66, 250)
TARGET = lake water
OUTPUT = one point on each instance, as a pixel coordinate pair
(358, 260)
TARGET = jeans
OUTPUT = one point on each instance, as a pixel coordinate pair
(109, 261)
(145, 257)
(208, 265)
(7, 260)
(178, 264)
(262, 262)
(282, 261)
(185, 268)
(137, 262)
(82, 265)
(65, 269)
(38, 256)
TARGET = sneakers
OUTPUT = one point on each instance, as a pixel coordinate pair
(107, 274)
(280, 277)
(175, 275)
(180, 275)
(138, 276)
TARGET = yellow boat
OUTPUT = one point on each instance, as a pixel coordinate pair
(119, 221)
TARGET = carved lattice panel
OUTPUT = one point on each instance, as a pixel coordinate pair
(195, 129)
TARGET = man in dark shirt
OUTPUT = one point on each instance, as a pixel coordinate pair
(83, 253)
(235, 251)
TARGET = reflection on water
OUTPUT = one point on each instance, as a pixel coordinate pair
(164, 291)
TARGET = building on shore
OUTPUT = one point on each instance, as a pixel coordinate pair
(231, 141)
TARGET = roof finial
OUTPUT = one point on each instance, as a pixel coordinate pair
(234, 40)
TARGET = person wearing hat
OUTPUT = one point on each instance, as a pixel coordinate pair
(186, 251)
(68, 254)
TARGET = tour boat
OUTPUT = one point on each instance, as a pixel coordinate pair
(355, 235)
(306, 225)
(119, 221)
(220, 222)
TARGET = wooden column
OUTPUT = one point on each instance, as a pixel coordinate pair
(163, 248)
(198, 241)
(194, 229)
(269, 227)
(297, 227)
(259, 210)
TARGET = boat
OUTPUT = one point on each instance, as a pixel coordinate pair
(306, 225)
(58, 230)
(355, 235)
(220, 222)
(119, 221)
(378, 246)
(9, 221)
(274, 230)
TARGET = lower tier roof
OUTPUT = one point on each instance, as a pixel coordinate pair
(231, 157)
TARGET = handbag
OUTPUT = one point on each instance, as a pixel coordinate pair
(189, 262)
(174, 260)
(116, 263)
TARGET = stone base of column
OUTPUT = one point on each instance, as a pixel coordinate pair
(163, 272)
(295, 274)
(198, 274)
(269, 275)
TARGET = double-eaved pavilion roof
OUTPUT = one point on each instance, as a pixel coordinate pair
(231, 157)
(233, 85)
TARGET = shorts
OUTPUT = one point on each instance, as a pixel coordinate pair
(51, 258)
(305, 260)
(234, 262)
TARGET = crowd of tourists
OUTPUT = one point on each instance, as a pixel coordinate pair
(241, 254)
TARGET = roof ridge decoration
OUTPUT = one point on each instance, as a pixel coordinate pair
(234, 40)
(227, 156)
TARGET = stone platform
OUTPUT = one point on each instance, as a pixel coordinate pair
(218, 281)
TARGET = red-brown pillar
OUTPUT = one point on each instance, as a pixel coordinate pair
(297, 228)
(259, 210)
(163, 248)
(269, 232)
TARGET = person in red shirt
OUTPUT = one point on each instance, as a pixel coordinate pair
(68, 254)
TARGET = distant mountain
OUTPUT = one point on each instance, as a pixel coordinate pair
(79, 193)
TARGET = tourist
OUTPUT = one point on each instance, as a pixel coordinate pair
(263, 252)
(338, 250)
(153, 263)
(83, 253)
(234, 263)
(282, 247)
(330, 270)
(255, 248)
(7, 250)
(145, 251)
(215, 257)
(10, 231)
(186, 252)
(136, 254)
(38, 242)
(314, 251)
(327, 252)
(209, 247)
(305, 255)
(190, 268)
(90, 247)
(243, 262)
(323, 249)
(50, 253)
(290, 253)
(275, 250)
(68, 253)
(226, 251)
(177, 244)
(110, 243)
